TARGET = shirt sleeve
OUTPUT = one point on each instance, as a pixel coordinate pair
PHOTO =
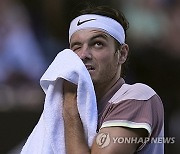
(135, 106)
(133, 113)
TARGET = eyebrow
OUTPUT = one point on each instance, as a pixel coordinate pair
(75, 43)
(101, 35)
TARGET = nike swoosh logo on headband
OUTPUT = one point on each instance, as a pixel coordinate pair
(82, 22)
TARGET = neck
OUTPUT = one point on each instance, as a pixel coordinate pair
(102, 88)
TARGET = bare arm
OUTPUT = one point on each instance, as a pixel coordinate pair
(115, 146)
(75, 142)
(74, 134)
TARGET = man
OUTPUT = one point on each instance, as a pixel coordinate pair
(134, 112)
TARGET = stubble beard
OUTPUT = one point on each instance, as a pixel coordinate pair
(105, 77)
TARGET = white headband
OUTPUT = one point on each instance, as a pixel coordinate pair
(109, 25)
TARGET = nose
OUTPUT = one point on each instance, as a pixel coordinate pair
(85, 53)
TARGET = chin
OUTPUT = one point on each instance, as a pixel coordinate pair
(95, 81)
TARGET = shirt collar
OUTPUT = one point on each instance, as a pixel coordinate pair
(104, 100)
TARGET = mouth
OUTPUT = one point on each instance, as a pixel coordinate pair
(90, 67)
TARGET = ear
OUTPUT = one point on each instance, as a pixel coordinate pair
(123, 53)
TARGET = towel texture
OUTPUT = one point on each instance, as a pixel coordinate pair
(48, 135)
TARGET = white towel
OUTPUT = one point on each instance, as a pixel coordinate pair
(48, 135)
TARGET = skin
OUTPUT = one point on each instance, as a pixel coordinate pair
(103, 60)
(97, 48)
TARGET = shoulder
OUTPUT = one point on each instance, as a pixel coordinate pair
(137, 91)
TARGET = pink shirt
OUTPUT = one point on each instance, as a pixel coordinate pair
(134, 106)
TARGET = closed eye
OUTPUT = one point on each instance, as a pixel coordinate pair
(76, 48)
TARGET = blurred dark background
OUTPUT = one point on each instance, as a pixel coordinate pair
(32, 32)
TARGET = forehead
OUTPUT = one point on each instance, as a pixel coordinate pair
(89, 33)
